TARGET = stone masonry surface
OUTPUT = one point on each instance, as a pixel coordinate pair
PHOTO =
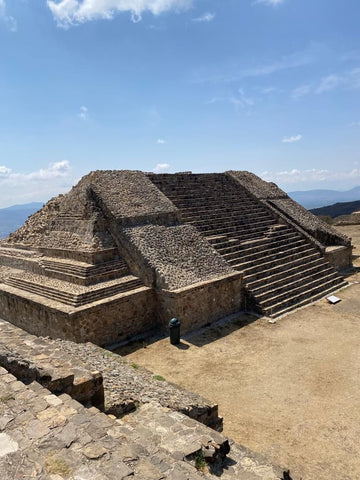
(48, 437)
(269, 192)
(128, 385)
(33, 358)
(129, 195)
(68, 367)
(179, 255)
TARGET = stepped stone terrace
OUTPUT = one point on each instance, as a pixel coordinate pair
(125, 251)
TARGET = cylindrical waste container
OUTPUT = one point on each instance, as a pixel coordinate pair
(174, 327)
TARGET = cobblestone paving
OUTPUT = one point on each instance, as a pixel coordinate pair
(126, 385)
(46, 437)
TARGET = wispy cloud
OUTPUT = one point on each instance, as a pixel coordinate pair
(272, 3)
(292, 139)
(205, 18)
(311, 175)
(161, 167)
(19, 187)
(329, 83)
(8, 20)
(235, 72)
(160, 141)
(75, 12)
(354, 124)
(239, 100)
(349, 80)
(301, 91)
(84, 113)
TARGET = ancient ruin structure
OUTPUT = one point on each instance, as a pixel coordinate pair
(125, 251)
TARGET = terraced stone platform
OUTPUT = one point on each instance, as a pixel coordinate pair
(124, 252)
(282, 268)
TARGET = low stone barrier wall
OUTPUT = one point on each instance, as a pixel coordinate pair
(30, 358)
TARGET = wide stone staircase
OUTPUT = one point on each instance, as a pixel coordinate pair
(282, 268)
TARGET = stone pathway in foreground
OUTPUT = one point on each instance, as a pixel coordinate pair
(49, 437)
(88, 372)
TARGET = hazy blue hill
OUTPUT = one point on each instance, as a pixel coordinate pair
(338, 209)
(11, 218)
(319, 198)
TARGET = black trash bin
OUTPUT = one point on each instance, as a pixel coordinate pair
(174, 327)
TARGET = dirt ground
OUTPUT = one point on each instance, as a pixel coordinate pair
(289, 390)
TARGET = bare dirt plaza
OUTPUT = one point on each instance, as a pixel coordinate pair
(289, 390)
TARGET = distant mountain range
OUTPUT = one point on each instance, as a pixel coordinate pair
(319, 198)
(11, 218)
(337, 210)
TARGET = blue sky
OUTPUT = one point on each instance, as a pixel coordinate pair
(269, 86)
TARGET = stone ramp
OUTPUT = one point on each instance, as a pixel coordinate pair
(253, 240)
(48, 437)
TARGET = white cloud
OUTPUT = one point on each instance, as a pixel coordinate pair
(75, 12)
(84, 113)
(272, 3)
(301, 91)
(239, 100)
(161, 167)
(205, 18)
(352, 124)
(9, 21)
(329, 83)
(18, 187)
(312, 175)
(293, 139)
(160, 141)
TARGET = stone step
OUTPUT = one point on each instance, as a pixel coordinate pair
(295, 288)
(261, 248)
(245, 236)
(266, 270)
(227, 214)
(258, 286)
(308, 293)
(189, 210)
(308, 299)
(83, 269)
(299, 280)
(293, 251)
(238, 222)
(238, 228)
(224, 247)
(125, 284)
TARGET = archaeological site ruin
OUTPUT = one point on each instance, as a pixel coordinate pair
(125, 251)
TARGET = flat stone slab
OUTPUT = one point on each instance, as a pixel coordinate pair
(66, 441)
